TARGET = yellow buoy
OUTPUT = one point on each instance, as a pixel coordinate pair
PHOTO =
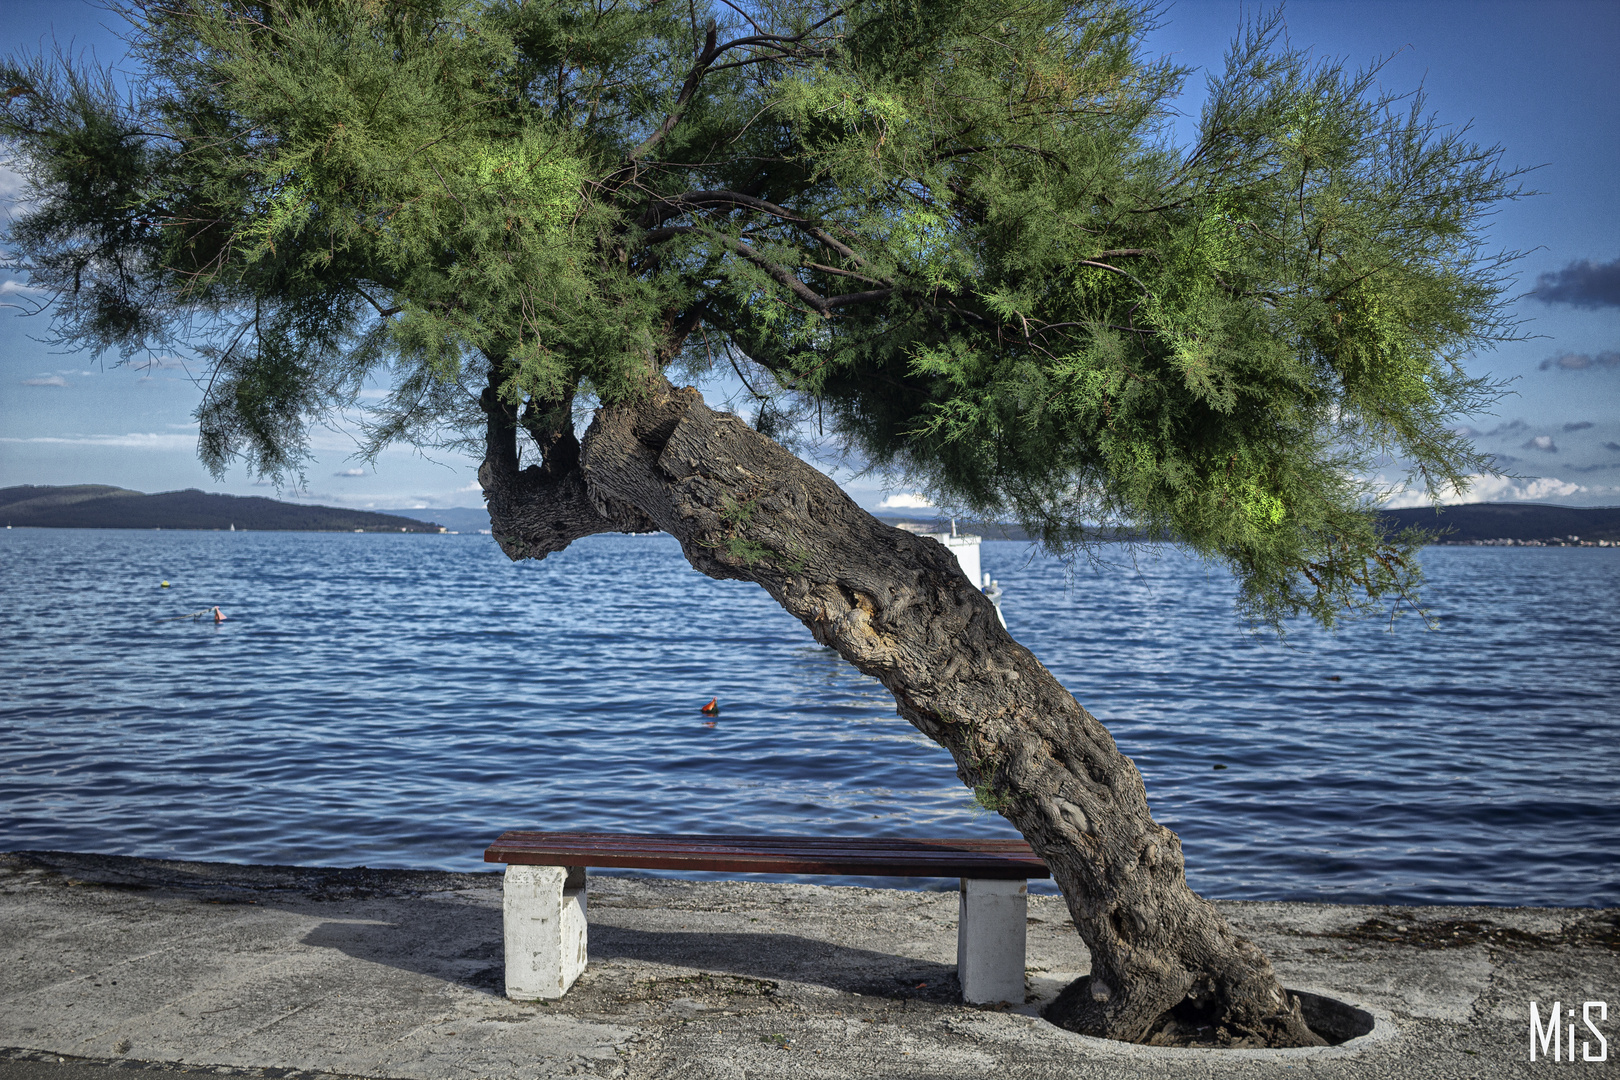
(165, 585)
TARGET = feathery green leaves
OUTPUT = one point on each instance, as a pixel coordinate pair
(957, 229)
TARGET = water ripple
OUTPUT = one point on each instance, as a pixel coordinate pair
(402, 699)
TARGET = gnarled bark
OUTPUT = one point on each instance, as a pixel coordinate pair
(1165, 965)
(537, 510)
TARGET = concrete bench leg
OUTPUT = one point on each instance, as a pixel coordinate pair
(544, 923)
(990, 940)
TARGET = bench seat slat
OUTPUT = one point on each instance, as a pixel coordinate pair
(980, 855)
(825, 864)
(706, 840)
(632, 839)
(975, 857)
(763, 844)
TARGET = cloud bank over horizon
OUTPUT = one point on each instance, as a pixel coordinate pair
(1498, 489)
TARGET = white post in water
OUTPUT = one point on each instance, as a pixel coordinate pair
(544, 917)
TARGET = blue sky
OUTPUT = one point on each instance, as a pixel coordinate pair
(1538, 78)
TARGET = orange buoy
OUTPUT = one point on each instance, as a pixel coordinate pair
(712, 708)
(219, 616)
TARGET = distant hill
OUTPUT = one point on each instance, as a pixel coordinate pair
(994, 530)
(97, 506)
(58, 496)
(1533, 524)
(990, 530)
(1478, 523)
(100, 506)
(467, 519)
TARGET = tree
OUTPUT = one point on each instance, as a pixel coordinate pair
(956, 231)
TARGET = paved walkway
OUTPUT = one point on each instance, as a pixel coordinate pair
(110, 967)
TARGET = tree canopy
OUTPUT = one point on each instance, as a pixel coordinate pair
(960, 231)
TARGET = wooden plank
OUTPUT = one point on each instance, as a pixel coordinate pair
(762, 844)
(1007, 867)
(708, 840)
(863, 856)
(630, 840)
(772, 844)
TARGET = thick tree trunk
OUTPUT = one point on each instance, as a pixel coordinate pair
(1165, 965)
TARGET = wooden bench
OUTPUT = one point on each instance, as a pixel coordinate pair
(544, 894)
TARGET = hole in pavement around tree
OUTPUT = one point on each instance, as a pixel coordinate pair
(1334, 1020)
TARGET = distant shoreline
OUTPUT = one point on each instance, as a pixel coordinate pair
(241, 529)
(98, 506)
(1468, 525)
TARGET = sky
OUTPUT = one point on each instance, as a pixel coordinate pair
(1537, 78)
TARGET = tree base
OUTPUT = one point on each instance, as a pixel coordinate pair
(1198, 1025)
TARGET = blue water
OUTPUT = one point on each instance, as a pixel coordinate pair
(401, 700)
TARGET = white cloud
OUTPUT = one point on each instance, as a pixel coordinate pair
(13, 287)
(161, 363)
(351, 472)
(1543, 443)
(905, 501)
(132, 441)
(1492, 489)
(11, 182)
(46, 380)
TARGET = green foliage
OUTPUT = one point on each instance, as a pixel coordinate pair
(988, 798)
(957, 230)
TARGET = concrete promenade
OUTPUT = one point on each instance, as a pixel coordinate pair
(113, 966)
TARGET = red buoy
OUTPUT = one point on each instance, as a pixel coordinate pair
(712, 708)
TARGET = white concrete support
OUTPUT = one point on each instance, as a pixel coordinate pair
(544, 909)
(990, 940)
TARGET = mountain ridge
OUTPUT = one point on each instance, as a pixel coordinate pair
(1534, 524)
(104, 506)
(101, 506)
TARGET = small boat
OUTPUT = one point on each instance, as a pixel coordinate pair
(965, 547)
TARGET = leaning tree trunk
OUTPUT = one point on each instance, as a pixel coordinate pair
(1164, 963)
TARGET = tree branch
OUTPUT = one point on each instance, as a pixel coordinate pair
(539, 510)
(382, 312)
(693, 78)
(781, 274)
(690, 199)
(844, 273)
(711, 52)
(1115, 269)
(680, 328)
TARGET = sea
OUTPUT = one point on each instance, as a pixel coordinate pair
(401, 700)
